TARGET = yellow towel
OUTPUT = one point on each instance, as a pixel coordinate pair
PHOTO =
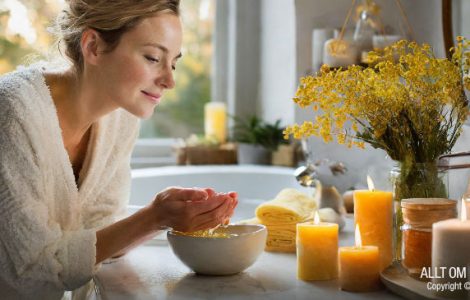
(289, 206)
(280, 245)
(281, 238)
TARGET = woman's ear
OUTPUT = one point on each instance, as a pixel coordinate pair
(92, 46)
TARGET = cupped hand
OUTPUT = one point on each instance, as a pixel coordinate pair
(192, 209)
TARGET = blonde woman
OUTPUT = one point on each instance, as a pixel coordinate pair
(65, 143)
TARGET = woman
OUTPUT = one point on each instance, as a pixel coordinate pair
(65, 142)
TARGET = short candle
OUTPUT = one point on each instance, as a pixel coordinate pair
(359, 267)
(317, 250)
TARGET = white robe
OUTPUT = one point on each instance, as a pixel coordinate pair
(48, 225)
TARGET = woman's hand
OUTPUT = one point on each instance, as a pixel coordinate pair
(192, 209)
(181, 209)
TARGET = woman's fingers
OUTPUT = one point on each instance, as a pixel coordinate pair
(210, 192)
(191, 194)
(217, 215)
(190, 209)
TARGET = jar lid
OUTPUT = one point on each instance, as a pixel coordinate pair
(428, 203)
(423, 212)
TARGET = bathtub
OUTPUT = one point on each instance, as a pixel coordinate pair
(254, 184)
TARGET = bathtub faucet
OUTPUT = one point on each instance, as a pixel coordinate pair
(324, 170)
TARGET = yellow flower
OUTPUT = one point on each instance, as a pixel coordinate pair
(408, 102)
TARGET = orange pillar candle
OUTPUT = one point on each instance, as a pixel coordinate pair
(317, 250)
(373, 211)
(359, 267)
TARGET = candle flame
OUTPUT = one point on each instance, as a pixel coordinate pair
(316, 219)
(370, 183)
(357, 237)
(463, 210)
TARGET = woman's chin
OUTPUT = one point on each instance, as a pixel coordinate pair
(143, 114)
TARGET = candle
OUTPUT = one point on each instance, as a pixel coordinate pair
(451, 253)
(317, 250)
(215, 119)
(339, 53)
(359, 267)
(373, 211)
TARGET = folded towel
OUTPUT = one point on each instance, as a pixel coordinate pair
(281, 238)
(289, 206)
(275, 244)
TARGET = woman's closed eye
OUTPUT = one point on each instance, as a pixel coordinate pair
(152, 59)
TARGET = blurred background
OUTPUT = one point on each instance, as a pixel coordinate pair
(24, 38)
(248, 55)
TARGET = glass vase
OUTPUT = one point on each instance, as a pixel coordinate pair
(414, 180)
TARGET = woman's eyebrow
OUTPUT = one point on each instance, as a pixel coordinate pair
(161, 47)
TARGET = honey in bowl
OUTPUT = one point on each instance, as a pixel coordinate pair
(242, 244)
(208, 233)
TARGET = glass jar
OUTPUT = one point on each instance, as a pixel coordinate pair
(418, 215)
(414, 180)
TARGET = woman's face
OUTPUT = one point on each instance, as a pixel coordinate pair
(137, 72)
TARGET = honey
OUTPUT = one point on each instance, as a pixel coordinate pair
(417, 250)
(419, 214)
(207, 234)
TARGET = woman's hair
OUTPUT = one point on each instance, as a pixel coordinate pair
(110, 18)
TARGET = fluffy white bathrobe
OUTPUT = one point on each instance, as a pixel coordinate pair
(47, 223)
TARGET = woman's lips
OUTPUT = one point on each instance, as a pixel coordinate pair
(155, 98)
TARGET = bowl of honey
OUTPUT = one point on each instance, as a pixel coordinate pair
(227, 250)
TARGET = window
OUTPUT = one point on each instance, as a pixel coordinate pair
(23, 31)
(24, 37)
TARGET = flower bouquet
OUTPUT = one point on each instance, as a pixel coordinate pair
(407, 102)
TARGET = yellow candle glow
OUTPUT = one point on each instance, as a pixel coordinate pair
(317, 250)
(359, 267)
(215, 120)
(373, 211)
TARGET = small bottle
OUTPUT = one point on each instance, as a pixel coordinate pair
(366, 27)
(419, 214)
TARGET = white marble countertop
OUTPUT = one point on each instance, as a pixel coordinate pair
(151, 271)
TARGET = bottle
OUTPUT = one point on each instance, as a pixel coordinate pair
(366, 27)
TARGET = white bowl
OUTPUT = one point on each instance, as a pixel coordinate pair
(220, 256)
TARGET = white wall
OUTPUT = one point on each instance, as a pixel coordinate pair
(461, 9)
(278, 60)
(425, 19)
(285, 55)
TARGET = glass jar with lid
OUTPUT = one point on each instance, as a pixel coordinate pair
(418, 215)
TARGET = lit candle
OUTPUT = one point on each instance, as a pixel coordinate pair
(451, 253)
(359, 267)
(215, 119)
(373, 211)
(317, 250)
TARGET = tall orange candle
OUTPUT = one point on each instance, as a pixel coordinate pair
(359, 267)
(373, 211)
(317, 250)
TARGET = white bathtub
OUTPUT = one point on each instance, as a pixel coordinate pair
(254, 184)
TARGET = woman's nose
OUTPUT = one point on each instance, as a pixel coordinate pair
(166, 78)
